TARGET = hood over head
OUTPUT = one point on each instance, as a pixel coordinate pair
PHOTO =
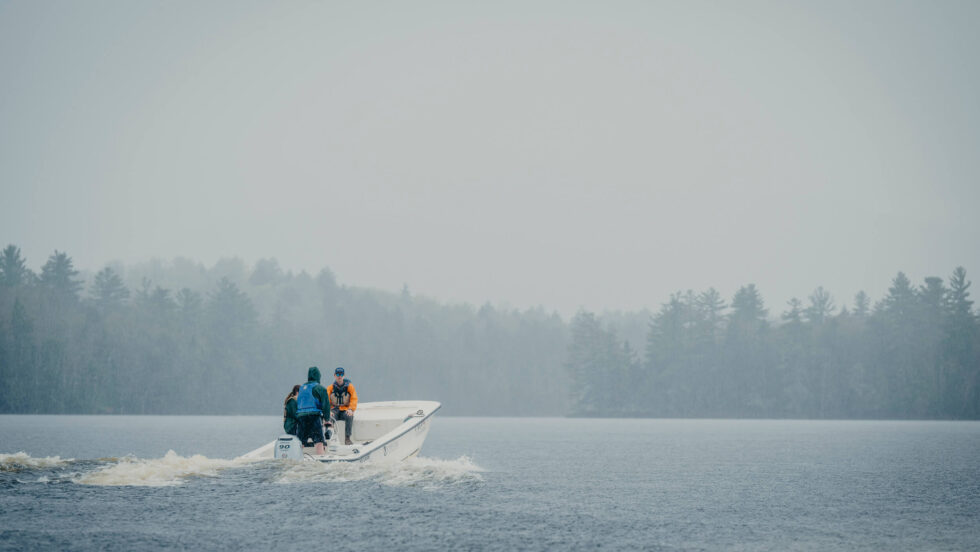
(313, 374)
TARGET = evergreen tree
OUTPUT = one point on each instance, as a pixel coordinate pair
(667, 336)
(158, 301)
(707, 357)
(13, 269)
(666, 357)
(6, 370)
(749, 377)
(599, 367)
(862, 305)
(794, 314)
(931, 376)
(793, 396)
(900, 301)
(894, 323)
(189, 304)
(584, 358)
(58, 277)
(265, 272)
(230, 308)
(821, 306)
(108, 289)
(232, 341)
(961, 306)
(710, 307)
(961, 349)
(23, 378)
(747, 306)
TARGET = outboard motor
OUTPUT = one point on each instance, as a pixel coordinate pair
(289, 447)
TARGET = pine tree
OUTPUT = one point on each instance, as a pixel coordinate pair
(793, 395)
(265, 272)
(232, 339)
(230, 308)
(900, 301)
(894, 322)
(599, 366)
(584, 360)
(13, 269)
(21, 382)
(189, 304)
(821, 306)
(862, 305)
(667, 339)
(58, 277)
(960, 349)
(794, 314)
(961, 306)
(108, 289)
(930, 377)
(750, 376)
(747, 305)
(710, 307)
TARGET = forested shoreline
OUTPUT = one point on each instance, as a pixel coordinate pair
(182, 338)
(913, 354)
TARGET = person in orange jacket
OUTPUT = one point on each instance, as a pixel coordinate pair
(343, 402)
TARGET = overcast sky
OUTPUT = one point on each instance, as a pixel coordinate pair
(594, 154)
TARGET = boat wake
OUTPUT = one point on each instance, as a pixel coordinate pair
(173, 469)
(170, 470)
(21, 461)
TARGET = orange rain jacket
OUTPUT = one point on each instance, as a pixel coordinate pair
(352, 404)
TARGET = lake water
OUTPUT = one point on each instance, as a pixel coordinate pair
(127, 483)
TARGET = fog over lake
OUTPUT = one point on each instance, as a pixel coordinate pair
(596, 156)
(658, 275)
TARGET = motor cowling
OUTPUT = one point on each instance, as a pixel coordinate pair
(288, 447)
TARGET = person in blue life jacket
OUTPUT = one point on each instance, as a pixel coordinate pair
(343, 402)
(312, 408)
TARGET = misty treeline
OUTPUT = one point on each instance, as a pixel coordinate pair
(182, 338)
(913, 354)
(232, 339)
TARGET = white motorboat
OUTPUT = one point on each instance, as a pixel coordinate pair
(383, 432)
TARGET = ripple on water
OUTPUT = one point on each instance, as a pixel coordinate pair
(414, 472)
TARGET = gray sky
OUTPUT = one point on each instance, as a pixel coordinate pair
(596, 155)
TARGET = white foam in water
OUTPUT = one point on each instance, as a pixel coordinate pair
(23, 461)
(419, 471)
(172, 469)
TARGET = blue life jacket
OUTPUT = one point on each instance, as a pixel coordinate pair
(306, 402)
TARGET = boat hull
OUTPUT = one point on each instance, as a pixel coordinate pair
(383, 432)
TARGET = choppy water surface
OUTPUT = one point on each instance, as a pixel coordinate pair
(91, 482)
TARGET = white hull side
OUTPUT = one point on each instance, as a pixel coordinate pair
(384, 432)
(401, 448)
